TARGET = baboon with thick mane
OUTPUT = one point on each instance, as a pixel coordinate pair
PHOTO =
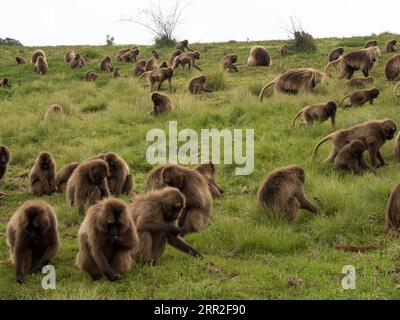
(197, 85)
(371, 44)
(36, 54)
(42, 177)
(335, 54)
(360, 82)
(392, 68)
(41, 65)
(158, 75)
(76, 62)
(318, 112)
(54, 111)
(63, 176)
(350, 158)
(161, 103)
(359, 98)
(259, 57)
(391, 46)
(187, 59)
(228, 63)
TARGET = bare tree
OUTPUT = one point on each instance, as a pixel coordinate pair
(303, 41)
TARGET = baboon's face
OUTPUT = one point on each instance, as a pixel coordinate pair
(98, 172)
(155, 97)
(331, 107)
(114, 220)
(37, 223)
(375, 93)
(388, 128)
(112, 161)
(299, 173)
(45, 161)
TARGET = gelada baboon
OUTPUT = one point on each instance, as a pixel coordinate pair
(116, 73)
(107, 238)
(5, 83)
(105, 64)
(43, 175)
(68, 56)
(32, 237)
(228, 63)
(36, 54)
(396, 89)
(359, 98)
(187, 59)
(392, 68)
(161, 103)
(63, 176)
(155, 215)
(4, 160)
(259, 57)
(371, 44)
(182, 45)
(197, 85)
(174, 54)
(350, 158)
(295, 81)
(164, 64)
(154, 53)
(158, 75)
(360, 82)
(90, 76)
(53, 112)
(284, 50)
(151, 64)
(391, 46)
(363, 60)
(19, 60)
(41, 65)
(207, 170)
(318, 112)
(373, 133)
(283, 191)
(139, 68)
(335, 54)
(88, 184)
(76, 62)
(128, 55)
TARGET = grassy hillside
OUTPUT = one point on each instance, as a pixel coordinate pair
(248, 255)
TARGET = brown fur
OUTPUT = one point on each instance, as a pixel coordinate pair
(19, 60)
(159, 75)
(54, 111)
(5, 83)
(77, 62)
(370, 44)
(182, 45)
(164, 64)
(318, 112)
(207, 170)
(359, 98)
(139, 68)
(259, 57)
(105, 64)
(43, 175)
(68, 56)
(161, 103)
(63, 176)
(197, 85)
(151, 64)
(128, 55)
(360, 82)
(36, 54)
(174, 54)
(90, 76)
(284, 50)
(154, 53)
(116, 73)
(335, 54)
(41, 65)
(350, 158)
(397, 146)
(187, 59)
(4, 160)
(392, 68)
(391, 46)
(228, 63)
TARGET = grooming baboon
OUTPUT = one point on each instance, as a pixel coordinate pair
(207, 170)
(116, 73)
(350, 158)
(151, 64)
(5, 83)
(373, 133)
(158, 75)
(284, 50)
(197, 85)
(41, 65)
(335, 54)
(32, 237)
(359, 98)
(187, 59)
(4, 160)
(164, 64)
(370, 44)
(318, 112)
(54, 111)
(295, 81)
(88, 184)
(360, 82)
(182, 45)
(128, 55)
(105, 64)
(63, 176)
(154, 53)
(90, 76)
(107, 238)
(36, 54)
(259, 57)
(76, 62)
(69, 55)
(392, 68)
(174, 54)
(363, 60)
(283, 190)
(228, 63)
(139, 68)
(43, 175)
(19, 60)
(391, 46)
(161, 103)
(155, 215)
(396, 89)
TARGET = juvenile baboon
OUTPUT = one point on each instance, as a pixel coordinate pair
(158, 75)
(128, 55)
(36, 54)
(139, 68)
(182, 45)
(259, 57)
(295, 81)
(76, 62)
(54, 111)
(373, 133)
(350, 158)
(63, 176)
(360, 82)
(363, 60)
(151, 64)
(391, 46)
(155, 215)
(5, 83)
(228, 63)
(19, 60)
(174, 54)
(335, 54)
(107, 238)
(69, 55)
(318, 112)
(207, 170)
(161, 103)
(392, 68)
(396, 89)
(154, 53)
(359, 98)
(43, 175)
(4, 160)
(116, 73)
(41, 65)
(187, 59)
(164, 64)
(90, 76)
(370, 44)
(197, 85)
(88, 184)
(283, 190)
(32, 237)
(105, 64)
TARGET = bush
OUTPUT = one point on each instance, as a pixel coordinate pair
(304, 41)
(163, 42)
(10, 41)
(216, 81)
(110, 40)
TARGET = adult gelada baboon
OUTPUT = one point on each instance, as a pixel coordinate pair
(197, 85)
(188, 59)
(174, 54)
(158, 75)
(128, 55)
(228, 63)
(36, 54)
(318, 112)
(335, 54)
(41, 65)
(359, 98)
(392, 68)
(77, 62)
(139, 68)
(105, 64)
(259, 57)
(161, 103)
(151, 64)
(63, 176)
(42, 178)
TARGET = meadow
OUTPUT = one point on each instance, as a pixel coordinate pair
(248, 254)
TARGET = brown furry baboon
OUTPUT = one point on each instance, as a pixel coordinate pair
(391, 46)
(105, 64)
(197, 85)
(295, 81)
(63, 176)
(284, 50)
(90, 76)
(161, 103)
(41, 65)
(363, 60)
(43, 175)
(155, 215)
(371, 44)
(228, 63)
(54, 111)
(158, 75)
(182, 45)
(350, 158)
(4, 160)
(207, 170)
(283, 191)
(259, 57)
(107, 238)
(154, 53)
(36, 54)
(88, 184)
(139, 68)
(164, 64)
(359, 98)
(373, 133)
(335, 54)
(318, 112)
(5, 83)
(128, 55)
(393, 210)
(32, 237)
(392, 68)
(68, 56)
(151, 64)
(116, 73)
(174, 54)
(396, 89)
(19, 60)
(77, 62)
(360, 82)
(187, 59)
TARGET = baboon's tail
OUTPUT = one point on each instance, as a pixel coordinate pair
(344, 99)
(331, 64)
(297, 116)
(321, 143)
(143, 74)
(395, 90)
(261, 96)
(349, 247)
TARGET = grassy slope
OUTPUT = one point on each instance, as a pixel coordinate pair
(254, 256)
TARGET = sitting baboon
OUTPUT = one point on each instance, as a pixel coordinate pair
(139, 68)
(36, 54)
(151, 64)
(207, 170)
(350, 158)
(259, 57)
(196, 85)
(360, 82)
(53, 112)
(107, 238)
(335, 54)
(154, 53)
(174, 54)
(283, 191)
(182, 45)
(396, 89)
(318, 112)
(19, 60)
(116, 73)
(90, 76)
(63, 176)
(359, 98)
(41, 65)
(128, 55)
(155, 215)
(32, 237)
(187, 59)
(105, 64)
(76, 62)
(69, 55)
(228, 63)
(370, 44)
(5, 83)
(158, 75)
(161, 103)
(393, 210)
(391, 46)
(373, 133)
(43, 175)
(284, 50)
(392, 68)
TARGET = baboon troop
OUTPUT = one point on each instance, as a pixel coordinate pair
(188, 59)
(318, 112)
(19, 60)
(197, 85)
(359, 98)
(159, 76)
(76, 62)
(105, 64)
(371, 44)
(391, 46)
(360, 82)
(392, 68)
(161, 103)
(284, 50)
(335, 54)
(41, 65)
(5, 83)
(90, 76)
(63, 176)
(183, 45)
(259, 57)
(53, 112)
(43, 175)
(139, 68)
(228, 63)
(69, 55)
(36, 54)
(350, 158)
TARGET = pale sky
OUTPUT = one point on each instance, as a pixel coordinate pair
(73, 22)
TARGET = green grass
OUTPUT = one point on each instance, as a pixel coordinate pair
(248, 253)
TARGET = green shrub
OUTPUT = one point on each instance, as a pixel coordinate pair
(216, 81)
